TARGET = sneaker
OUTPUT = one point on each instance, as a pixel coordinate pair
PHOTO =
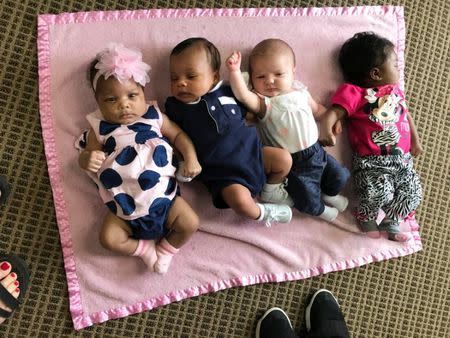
(274, 324)
(279, 213)
(324, 317)
(276, 193)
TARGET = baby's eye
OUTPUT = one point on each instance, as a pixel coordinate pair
(133, 95)
(260, 77)
(279, 74)
(110, 99)
(192, 76)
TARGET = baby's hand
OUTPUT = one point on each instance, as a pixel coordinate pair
(326, 136)
(92, 160)
(233, 62)
(416, 148)
(187, 170)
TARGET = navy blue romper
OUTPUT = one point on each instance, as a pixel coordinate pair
(229, 151)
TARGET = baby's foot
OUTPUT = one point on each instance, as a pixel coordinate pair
(165, 252)
(339, 202)
(147, 252)
(392, 227)
(8, 281)
(329, 214)
(370, 229)
(398, 237)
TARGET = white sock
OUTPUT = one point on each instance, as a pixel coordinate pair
(271, 186)
(339, 202)
(261, 209)
(329, 214)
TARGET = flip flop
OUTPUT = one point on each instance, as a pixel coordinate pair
(4, 189)
(20, 268)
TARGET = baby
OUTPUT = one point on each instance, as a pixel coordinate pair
(235, 166)
(381, 132)
(285, 114)
(126, 148)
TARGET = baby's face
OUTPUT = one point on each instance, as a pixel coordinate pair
(273, 74)
(121, 103)
(389, 71)
(191, 74)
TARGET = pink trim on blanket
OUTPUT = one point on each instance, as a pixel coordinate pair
(44, 69)
(82, 320)
(102, 316)
(83, 17)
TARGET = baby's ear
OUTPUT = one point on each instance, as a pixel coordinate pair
(216, 77)
(375, 74)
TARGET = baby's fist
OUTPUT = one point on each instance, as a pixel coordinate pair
(234, 61)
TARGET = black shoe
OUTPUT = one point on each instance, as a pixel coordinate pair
(274, 324)
(324, 317)
(4, 190)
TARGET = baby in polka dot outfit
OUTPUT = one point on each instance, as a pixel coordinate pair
(128, 149)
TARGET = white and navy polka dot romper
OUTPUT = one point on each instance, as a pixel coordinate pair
(137, 179)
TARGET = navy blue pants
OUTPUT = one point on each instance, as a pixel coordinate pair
(313, 172)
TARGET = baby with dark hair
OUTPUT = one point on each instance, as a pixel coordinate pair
(236, 168)
(381, 133)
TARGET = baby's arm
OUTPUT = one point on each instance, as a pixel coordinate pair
(416, 147)
(329, 125)
(318, 110)
(92, 157)
(250, 99)
(184, 145)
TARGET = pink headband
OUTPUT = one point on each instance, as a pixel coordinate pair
(123, 63)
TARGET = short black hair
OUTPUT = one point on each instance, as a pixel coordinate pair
(360, 54)
(211, 51)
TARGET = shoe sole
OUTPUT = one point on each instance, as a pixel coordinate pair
(308, 308)
(258, 326)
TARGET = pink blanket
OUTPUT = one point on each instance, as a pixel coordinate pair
(228, 251)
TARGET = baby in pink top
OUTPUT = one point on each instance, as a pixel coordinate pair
(381, 133)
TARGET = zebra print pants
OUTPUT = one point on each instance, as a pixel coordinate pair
(386, 182)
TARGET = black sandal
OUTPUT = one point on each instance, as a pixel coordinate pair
(20, 268)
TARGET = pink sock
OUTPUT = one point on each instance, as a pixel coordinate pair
(146, 250)
(165, 252)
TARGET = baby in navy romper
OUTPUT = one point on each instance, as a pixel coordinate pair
(235, 166)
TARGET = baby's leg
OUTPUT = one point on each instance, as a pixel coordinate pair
(277, 164)
(241, 201)
(374, 190)
(183, 223)
(406, 199)
(115, 235)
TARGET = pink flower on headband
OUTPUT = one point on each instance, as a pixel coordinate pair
(122, 63)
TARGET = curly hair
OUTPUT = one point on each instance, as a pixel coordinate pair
(360, 54)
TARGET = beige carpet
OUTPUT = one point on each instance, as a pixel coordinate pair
(406, 297)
